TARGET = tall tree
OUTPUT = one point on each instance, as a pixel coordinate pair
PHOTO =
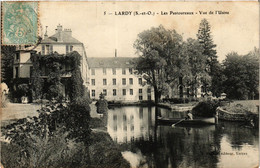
(251, 61)
(242, 75)
(194, 64)
(206, 41)
(157, 49)
(218, 79)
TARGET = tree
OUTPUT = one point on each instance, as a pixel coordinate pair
(206, 41)
(218, 79)
(242, 75)
(252, 66)
(194, 65)
(157, 49)
(7, 58)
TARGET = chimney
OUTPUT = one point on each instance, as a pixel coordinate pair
(46, 35)
(59, 30)
(68, 32)
(115, 53)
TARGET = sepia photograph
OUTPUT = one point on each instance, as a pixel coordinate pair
(95, 84)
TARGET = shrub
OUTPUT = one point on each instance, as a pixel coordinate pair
(78, 118)
(206, 108)
(46, 137)
(23, 89)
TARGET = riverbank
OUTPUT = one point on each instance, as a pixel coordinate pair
(138, 103)
(178, 107)
(173, 107)
(246, 111)
(57, 150)
(102, 151)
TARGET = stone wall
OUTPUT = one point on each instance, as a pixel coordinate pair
(225, 115)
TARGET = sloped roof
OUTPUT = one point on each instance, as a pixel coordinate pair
(66, 38)
(110, 62)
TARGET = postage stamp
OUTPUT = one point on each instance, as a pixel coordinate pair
(19, 23)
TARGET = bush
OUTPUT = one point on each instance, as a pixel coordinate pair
(206, 108)
(78, 118)
(23, 89)
(48, 136)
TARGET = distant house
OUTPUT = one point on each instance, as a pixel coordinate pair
(115, 78)
(61, 42)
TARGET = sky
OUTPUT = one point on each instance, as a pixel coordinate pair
(101, 34)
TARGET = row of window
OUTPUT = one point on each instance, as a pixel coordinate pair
(141, 113)
(131, 81)
(131, 127)
(131, 92)
(93, 72)
(48, 49)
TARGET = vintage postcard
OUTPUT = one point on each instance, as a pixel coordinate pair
(129, 84)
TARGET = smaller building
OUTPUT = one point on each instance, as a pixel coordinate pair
(62, 43)
(115, 78)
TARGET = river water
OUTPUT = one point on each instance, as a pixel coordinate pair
(146, 144)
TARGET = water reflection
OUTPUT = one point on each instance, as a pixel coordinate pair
(135, 129)
(128, 123)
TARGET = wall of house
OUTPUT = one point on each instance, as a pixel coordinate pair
(175, 91)
(23, 64)
(109, 76)
(61, 49)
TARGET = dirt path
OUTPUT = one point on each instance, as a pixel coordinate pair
(17, 111)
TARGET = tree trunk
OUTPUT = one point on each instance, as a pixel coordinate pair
(156, 95)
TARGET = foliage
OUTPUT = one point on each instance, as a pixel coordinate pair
(54, 66)
(195, 67)
(241, 75)
(205, 38)
(157, 49)
(35, 136)
(23, 89)
(102, 105)
(206, 41)
(165, 59)
(37, 81)
(218, 80)
(78, 118)
(206, 108)
(77, 87)
(59, 137)
(7, 58)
